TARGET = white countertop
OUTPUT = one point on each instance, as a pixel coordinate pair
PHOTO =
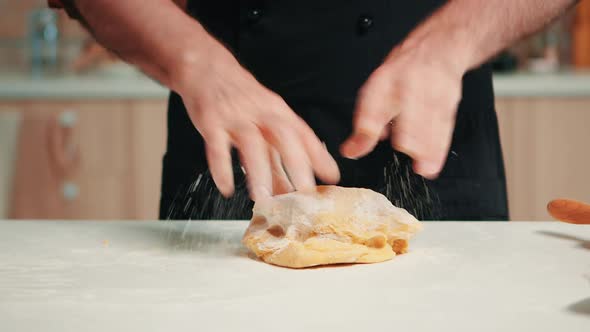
(132, 85)
(566, 84)
(81, 87)
(157, 276)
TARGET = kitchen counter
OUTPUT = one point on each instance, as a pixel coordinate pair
(566, 84)
(156, 276)
(131, 85)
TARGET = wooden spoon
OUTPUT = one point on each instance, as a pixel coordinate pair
(570, 211)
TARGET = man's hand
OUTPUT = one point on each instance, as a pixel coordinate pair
(230, 108)
(225, 102)
(411, 98)
(417, 89)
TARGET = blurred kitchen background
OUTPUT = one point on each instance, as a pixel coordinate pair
(82, 134)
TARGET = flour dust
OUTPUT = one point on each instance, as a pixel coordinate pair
(200, 199)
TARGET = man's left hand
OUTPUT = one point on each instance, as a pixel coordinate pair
(411, 99)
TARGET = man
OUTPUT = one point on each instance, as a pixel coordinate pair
(278, 79)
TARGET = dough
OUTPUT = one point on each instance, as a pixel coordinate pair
(329, 226)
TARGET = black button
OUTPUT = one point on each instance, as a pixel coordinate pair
(365, 22)
(253, 15)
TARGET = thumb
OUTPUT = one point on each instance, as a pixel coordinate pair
(373, 113)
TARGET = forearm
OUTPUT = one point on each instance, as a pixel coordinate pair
(155, 35)
(473, 31)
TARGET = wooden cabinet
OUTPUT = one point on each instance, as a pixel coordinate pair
(10, 117)
(89, 160)
(546, 144)
(102, 160)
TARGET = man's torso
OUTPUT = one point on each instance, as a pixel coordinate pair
(316, 55)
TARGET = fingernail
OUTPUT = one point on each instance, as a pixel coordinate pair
(226, 188)
(432, 176)
(306, 182)
(358, 145)
(428, 170)
(307, 189)
(309, 184)
(336, 175)
(345, 150)
(227, 192)
(260, 193)
(350, 157)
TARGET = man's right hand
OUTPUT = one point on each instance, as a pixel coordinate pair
(225, 102)
(229, 107)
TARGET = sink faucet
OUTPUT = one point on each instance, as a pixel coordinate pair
(43, 39)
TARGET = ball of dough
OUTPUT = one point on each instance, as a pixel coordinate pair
(331, 225)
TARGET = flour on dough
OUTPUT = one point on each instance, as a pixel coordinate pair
(329, 226)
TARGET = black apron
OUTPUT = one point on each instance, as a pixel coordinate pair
(316, 55)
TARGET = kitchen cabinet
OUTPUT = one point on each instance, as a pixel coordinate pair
(9, 124)
(101, 159)
(546, 150)
(92, 159)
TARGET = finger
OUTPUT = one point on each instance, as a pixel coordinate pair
(359, 145)
(427, 142)
(438, 148)
(375, 108)
(385, 132)
(218, 152)
(322, 162)
(280, 181)
(254, 157)
(293, 155)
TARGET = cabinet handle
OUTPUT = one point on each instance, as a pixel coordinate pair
(63, 149)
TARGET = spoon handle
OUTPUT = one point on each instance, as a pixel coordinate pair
(570, 211)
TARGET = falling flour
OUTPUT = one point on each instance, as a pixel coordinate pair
(200, 199)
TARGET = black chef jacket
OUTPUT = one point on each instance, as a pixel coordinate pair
(316, 54)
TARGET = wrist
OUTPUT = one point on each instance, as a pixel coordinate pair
(458, 44)
(447, 44)
(196, 60)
